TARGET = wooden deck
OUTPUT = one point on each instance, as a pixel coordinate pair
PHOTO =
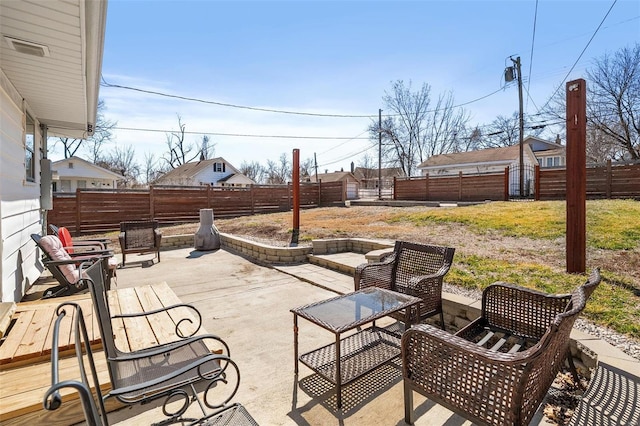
(25, 370)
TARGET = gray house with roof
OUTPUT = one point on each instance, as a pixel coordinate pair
(536, 151)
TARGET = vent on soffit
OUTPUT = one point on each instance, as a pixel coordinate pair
(27, 47)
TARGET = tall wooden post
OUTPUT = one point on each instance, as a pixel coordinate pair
(296, 197)
(576, 175)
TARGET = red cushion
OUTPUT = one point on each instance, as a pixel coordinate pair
(65, 239)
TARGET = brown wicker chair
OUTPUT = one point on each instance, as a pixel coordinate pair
(490, 386)
(414, 269)
(139, 237)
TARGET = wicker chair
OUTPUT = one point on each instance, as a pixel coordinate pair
(414, 269)
(490, 386)
(94, 407)
(169, 370)
(139, 237)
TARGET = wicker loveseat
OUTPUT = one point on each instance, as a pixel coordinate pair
(485, 385)
(139, 237)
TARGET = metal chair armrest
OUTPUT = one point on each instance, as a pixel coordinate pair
(166, 309)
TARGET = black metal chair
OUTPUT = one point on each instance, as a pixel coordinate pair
(170, 370)
(94, 408)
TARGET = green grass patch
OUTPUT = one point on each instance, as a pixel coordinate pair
(611, 224)
(615, 303)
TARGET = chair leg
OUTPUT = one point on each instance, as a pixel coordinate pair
(408, 403)
(442, 320)
(574, 371)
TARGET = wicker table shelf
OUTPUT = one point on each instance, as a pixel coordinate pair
(357, 354)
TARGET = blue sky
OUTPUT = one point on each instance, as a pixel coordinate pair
(334, 58)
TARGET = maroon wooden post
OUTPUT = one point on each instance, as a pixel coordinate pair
(395, 193)
(506, 183)
(536, 195)
(576, 175)
(609, 178)
(426, 187)
(296, 197)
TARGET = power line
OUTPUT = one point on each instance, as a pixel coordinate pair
(240, 135)
(104, 83)
(580, 56)
(533, 39)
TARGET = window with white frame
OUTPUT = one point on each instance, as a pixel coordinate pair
(30, 150)
(218, 167)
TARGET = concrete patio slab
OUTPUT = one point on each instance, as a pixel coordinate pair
(248, 305)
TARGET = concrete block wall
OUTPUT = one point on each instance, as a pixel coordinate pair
(263, 252)
(355, 245)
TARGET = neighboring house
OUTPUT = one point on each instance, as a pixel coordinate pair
(73, 173)
(214, 172)
(352, 183)
(495, 160)
(50, 64)
(369, 177)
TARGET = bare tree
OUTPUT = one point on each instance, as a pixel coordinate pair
(413, 131)
(307, 169)
(207, 148)
(614, 101)
(152, 168)
(253, 170)
(503, 131)
(179, 151)
(445, 123)
(613, 106)
(94, 144)
(122, 161)
(278, 172)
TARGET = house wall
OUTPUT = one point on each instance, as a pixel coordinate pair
(81, 171)
(209, 177)
(19, 199)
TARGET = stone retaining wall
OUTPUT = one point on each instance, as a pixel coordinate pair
(458, 310)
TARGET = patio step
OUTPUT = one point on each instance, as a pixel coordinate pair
(344, 262)
(319, 276)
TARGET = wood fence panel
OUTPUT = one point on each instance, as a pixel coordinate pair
(625, 181)
(64, 211)
(483, 187)
(331, 192)
(443, 188)
(179, 204)
(411, 188)
(553, 184)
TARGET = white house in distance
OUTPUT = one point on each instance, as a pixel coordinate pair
(74, 172)
(50, 64)
(215, 172)
(495, 160)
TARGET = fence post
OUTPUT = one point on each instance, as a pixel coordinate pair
(426, 187)
(152, 202)
(536, 195)
(395, 194)
(253, 201)
(609, 178)
(78, 218)
(460, 186)
(506, 183)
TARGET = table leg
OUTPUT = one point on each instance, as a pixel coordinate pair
(295, 344)
(338, 373)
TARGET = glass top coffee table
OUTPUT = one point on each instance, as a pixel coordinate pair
(357, 354)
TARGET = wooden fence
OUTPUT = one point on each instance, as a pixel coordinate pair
(101, 210)
(493, 186)
(610, 180)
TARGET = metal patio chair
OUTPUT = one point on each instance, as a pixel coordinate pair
(171, 370)
(501, 380)
(94, 408)
(63, 233)
(414, 269)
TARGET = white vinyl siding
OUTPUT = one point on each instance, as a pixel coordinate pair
(19, 204)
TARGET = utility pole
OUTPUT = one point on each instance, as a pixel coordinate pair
(315, 165)
(521, 120)
(379, 154)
